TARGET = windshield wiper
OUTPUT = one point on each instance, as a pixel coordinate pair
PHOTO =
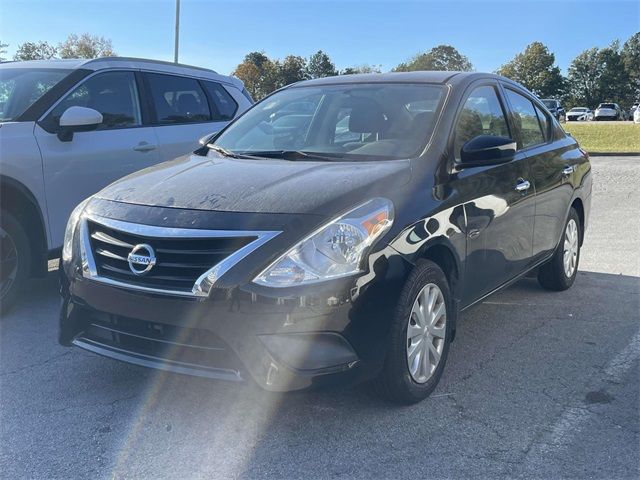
(293, 155)
(223, 151)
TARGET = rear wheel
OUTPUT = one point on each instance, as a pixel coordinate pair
(560, 271)
(419, 338)
(15, 260)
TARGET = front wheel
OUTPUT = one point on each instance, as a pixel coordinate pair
(561, 270)
(419, 338)
(15, 260)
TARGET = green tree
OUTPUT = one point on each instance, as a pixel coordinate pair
(600, 75)
(259, 73)
(535, 69)
(292, 69)
(631, 59)
(365, 68)
(441, 57)
(615, 84)
(35, 51)
(86, 46)
(584, 79)
(3, 51)
(320, 65)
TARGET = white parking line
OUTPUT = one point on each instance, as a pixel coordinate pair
(573, 419)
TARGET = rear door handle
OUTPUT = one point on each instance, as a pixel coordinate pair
(523, 185)
(568, 170)
(144, 147)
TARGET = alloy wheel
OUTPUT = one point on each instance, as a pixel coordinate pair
(8, 262)
(426, 333)
(571, 245)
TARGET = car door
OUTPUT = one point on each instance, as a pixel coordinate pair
(121, 144)
(498, 203)
(551, 170)
(184, 112)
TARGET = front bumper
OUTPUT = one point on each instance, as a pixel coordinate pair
(333, 333)
(606, 116)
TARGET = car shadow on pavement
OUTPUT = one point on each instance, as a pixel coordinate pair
(517, 360)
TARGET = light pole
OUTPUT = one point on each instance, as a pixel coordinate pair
(177, 35)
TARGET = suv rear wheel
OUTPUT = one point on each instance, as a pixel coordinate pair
(419, 338)
(15, 260)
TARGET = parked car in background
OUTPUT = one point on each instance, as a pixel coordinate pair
(70, 127)
(554, 107)
(608, 111)
(579, 114)
(636, 115)
(632, 111)
(336, 249)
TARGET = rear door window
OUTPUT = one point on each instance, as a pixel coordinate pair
(544, 122)
(178, 99)
(223, 105)
(525, 120)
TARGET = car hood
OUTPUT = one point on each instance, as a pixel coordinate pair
(259, 186)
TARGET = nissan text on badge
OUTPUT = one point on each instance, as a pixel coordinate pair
(332, 233)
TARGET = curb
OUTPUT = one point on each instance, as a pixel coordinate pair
(615, 154)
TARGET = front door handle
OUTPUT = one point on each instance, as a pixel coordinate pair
(568, 170)
(523, 185)
(144, 147)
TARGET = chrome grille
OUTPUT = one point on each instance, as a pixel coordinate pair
(188, 261)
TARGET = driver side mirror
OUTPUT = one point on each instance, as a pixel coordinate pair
(486, 150)
(77, 119)
(208, 138)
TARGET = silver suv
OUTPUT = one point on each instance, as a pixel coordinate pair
(70, 127)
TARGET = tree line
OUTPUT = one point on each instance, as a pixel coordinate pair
(609, 74)
(74, 46)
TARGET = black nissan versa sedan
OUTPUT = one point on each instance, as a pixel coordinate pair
(331, 233)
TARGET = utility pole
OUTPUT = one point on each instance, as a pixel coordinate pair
(177, 40)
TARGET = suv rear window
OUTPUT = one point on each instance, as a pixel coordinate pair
(178, 99)
(223, 105)
(607, 105)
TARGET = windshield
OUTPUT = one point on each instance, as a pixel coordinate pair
(578, 109)
(607, 105)
(21, 87)
(333, 122)
(549, 103)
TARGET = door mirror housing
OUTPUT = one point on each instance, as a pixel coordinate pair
(208, 138)
(487, 150)
(78, 119)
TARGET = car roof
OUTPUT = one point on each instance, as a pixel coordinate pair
(442, 77)
(126, 62)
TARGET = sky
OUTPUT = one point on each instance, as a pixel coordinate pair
(217, 34)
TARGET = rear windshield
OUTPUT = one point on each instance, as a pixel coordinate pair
(578, 109)
(22, 87)
(338, 122)
(607, 105)
(550, 103)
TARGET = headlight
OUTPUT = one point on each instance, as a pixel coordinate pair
(333, 251)
(67, 245)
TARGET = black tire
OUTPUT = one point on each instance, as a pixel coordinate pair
(395, 382)
(552, 274)
(12, 238)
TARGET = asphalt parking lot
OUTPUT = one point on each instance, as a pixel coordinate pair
(538, 384)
